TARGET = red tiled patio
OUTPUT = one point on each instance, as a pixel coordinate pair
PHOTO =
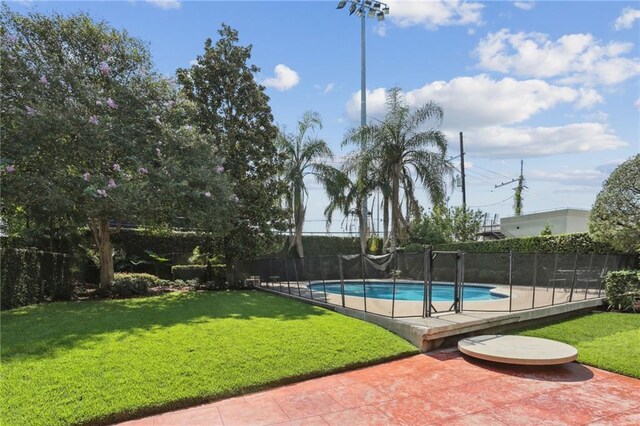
(441, 387)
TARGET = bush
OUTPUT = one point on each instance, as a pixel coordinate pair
(127, 285)
(580, 243)
(189, 272)
(30, 276)
(623, 290)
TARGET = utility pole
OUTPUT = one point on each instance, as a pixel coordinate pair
(517, 204)
(464, 192)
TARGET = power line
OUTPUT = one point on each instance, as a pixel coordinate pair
(491, 171)
(494, 204)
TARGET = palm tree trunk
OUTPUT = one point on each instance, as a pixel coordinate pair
(299, 220)
(395, 211)
(385, 219)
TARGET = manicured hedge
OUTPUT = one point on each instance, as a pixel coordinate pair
(320, 245)
(623, 290)
(30, 276)
(127, 285)
(138, 242)
(189, 272)
(567, 243)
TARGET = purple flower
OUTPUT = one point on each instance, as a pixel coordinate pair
(106, 48)
(30, 111)
(86, 176)
(207, 194)
(219, 169)
(104, 68)
(99, 103)
(101, 192)
(112, 104)
(10, 168)
(94, 120)
(43, 80)
(10, 39)
(234, 198)
(116, 167)
(111, 184)
(143, 170)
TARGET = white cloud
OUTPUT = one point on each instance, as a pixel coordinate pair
(193, 62)
(525, 5)
(285, 78)
(627, 19)
(574, 58)
(435, 13)
(380, 29)
(581, 177)
(480, 101)
(512, 142)
(165, 4)
(328, 88)
(637, 103)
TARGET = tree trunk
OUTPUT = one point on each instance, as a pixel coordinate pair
(100, 230)
(395, 211)
(228, 262)
(299, 214)
(385, 219)
(363, 228)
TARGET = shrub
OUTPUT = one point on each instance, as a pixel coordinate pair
(30, 276)
(127, 285)
(623, 290)
(189, 272)
(579, 243)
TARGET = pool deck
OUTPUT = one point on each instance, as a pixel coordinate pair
(439, 388)
(443, 327)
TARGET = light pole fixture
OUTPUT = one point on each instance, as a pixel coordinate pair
(362, 9)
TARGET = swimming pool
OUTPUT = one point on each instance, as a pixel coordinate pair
(441, 292)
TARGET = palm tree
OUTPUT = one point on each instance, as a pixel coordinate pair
(305, 155)
(405, 152)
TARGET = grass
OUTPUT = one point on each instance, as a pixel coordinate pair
(100, 362)
(607, 340)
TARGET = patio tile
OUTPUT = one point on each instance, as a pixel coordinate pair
(476, 419)
(307, 404)
(307, 421)
(257, 412)
(361, 416)
(462, 400)
(631, 418)
(200, 416)
(523, 413)
(358, 395)
(414, 410)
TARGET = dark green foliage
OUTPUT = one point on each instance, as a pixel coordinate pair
(623, 290)
(546, 230)
(317, 245)
(189, 272)
(615, 217)
(232, 108)
(567, 243)
(32, 276)
(168, 244)
(127, 285)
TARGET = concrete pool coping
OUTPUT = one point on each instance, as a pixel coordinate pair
(445, 329)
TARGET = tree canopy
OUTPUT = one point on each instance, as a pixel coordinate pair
(615, 216)
(233, 109)
(91, 134)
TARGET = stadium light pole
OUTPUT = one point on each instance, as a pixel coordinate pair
(364, 9)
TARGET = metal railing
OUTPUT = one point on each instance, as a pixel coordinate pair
(430, 283)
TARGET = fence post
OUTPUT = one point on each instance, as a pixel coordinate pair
(295, 271)
(555, 268)
(510, 280)
(364, 284)
(324, 285)
(462, 254)
(341, 279)
(573, 281)
(602, 275)
(426, 308)
(535, 278)
(393, 287)
(308, 276)
(586, 284)
(286, 273)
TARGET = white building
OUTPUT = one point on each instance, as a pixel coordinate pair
(564, 221)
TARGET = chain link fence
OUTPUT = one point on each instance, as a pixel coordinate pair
(401, 284)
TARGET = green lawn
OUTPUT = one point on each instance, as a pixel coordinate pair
(606, 340)
(110, 360)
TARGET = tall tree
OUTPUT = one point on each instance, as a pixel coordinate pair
(404, 153)
(234, 109)
(615, 217)
(305, 156)
(91, 134)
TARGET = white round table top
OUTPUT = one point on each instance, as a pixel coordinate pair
(521, 350)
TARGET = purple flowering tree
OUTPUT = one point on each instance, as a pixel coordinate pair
(93, 136)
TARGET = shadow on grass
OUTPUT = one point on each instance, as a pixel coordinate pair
(42, 330)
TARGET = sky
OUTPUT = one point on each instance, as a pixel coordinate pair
(555, 84)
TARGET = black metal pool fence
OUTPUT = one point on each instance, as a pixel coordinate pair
(513, 281)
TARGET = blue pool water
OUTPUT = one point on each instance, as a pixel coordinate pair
(442, 292)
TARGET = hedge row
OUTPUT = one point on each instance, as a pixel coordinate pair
(623, 290)
(202, 273)
(33, 276)
(567, 243)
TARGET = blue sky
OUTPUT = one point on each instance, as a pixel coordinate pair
(553, 83)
